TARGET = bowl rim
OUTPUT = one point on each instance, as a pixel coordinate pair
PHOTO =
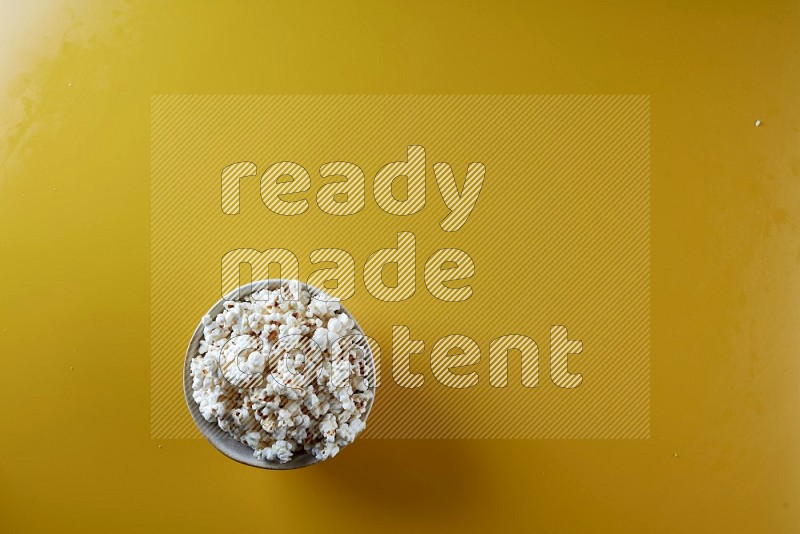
(221, 440)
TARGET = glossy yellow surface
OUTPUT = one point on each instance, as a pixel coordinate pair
(74, 208)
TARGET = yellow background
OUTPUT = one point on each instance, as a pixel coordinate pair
(559, 236)
(74, 203)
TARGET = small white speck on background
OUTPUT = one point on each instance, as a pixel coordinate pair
(758, 123)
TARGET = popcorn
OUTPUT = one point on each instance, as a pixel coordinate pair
(270, 372)
(325, 450)
(252, 439)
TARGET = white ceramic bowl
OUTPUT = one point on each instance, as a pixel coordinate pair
(216, 436)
